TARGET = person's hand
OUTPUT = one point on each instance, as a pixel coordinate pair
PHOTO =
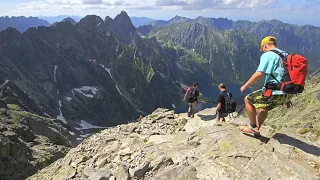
(243, 89)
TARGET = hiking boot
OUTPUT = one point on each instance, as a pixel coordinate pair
(188, 114)
(192, 115)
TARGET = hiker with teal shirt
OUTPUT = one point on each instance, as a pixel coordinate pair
(284, 76)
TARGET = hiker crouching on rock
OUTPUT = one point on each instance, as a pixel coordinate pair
(278, 86)
(192, 96)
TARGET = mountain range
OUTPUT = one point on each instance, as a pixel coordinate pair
(291, 38)
(53, 19)
(21, 23)
(96, 71)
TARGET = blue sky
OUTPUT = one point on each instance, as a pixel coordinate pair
(291, 11)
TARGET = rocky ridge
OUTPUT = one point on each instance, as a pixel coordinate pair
(165, 145)
(29, 142)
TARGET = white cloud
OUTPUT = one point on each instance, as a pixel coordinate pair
(168, 8)
(147, 4)
(64, 1)
(92, 1)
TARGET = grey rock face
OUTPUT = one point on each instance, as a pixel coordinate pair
(29, 142)
(185, 148)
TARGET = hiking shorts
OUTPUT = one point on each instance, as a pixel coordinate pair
(257, 99)
(193, 105)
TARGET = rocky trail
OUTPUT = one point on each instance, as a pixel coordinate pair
(167, 146)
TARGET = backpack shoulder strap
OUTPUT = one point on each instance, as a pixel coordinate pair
(282, 57)
(277, 52)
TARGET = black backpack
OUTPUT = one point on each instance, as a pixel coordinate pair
(191, 97)
(230, 106)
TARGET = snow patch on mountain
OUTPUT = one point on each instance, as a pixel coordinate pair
(84, 91)
(85, 125)
(60, 117)
(108, 70)
(119, 90)
(85, 135)
(55, 73)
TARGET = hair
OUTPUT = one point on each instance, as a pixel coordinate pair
(273, 41)
(195, 84)
(222, 85)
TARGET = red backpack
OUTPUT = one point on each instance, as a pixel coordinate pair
(294, 76)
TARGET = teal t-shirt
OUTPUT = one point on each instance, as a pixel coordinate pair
(271, 63)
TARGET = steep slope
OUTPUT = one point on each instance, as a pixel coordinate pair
(304, 115)
(165, 145)
(231, 51)
(21, 23)
(29, 142)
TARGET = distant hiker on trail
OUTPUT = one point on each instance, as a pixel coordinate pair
(284, 76)
(224, 103)
(140, 117)
(191, 96)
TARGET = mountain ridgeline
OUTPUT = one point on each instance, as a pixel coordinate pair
(292, 38)
(21, 23)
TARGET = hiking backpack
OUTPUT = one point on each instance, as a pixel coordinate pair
(191, 96)
(294, 75)
(230, 106)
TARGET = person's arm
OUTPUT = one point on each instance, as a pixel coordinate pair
(265, 67)
(197, 95)
(185, 96)
(254, 78)
(219, 103)
(218, 106)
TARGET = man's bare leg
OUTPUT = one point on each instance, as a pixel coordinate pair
(194, 110)
(217, 116)
(261, 117)
(189, 110)
(251, 110)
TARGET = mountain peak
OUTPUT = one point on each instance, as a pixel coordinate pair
(91, 20)
(178, 19)
(124, 13)
(124, 24)
(69, 19)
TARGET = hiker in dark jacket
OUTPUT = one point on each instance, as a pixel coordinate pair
(223, 98)
(191, 96)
